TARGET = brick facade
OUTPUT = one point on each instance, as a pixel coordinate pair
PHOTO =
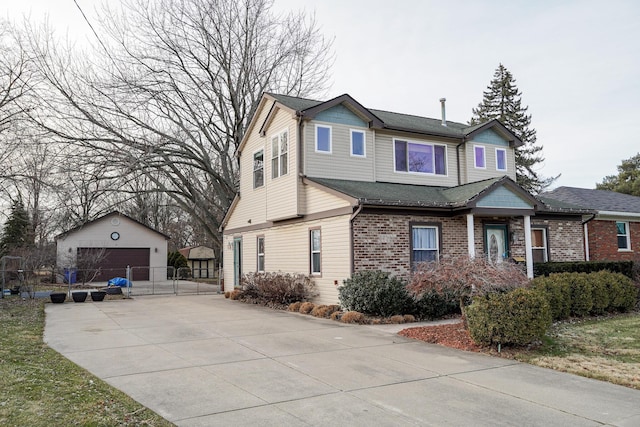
(603, 241)
(382, 241)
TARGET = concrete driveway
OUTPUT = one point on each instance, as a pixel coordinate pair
(204, 361)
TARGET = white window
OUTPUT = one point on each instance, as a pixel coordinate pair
(424, 243)
(419, 157)
(358, 143)
(260, 254)
(480, 161)
(539, 244)
(258, 169)
(323, 139)
(624, 242)
(279, 154)
(501, 159)
(315, 250)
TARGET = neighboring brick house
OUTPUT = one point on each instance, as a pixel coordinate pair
(331, 188)
(612, 233)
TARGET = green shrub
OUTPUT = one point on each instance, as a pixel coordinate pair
(518, 317)
(557, 290)
(581, 296)
(375, 293)
(623, 293)
(547, 268)
(599, 292)
(433, 305)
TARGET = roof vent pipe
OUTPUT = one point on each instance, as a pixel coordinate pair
(444, 115)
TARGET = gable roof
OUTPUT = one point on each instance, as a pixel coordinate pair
(109, 215)
(381, 119)
(600, 200)
(385, 194)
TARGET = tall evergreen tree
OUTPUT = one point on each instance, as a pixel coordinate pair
(17, 230)
(628, 179)
(502, 101)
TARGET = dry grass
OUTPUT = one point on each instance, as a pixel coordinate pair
(294, 306)
(397, 319)
(306, 307)
(353, 317)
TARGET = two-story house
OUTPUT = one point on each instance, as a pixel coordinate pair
(330, 188)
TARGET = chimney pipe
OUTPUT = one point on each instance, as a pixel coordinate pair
(444, 115)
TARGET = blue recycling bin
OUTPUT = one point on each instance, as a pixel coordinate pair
(70, 275)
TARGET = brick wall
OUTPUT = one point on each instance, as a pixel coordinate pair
(603, 241)
(382, 241)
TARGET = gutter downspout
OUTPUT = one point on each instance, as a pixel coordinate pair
(353, 216)
(300, 162)
(464, 141)
(585, 232)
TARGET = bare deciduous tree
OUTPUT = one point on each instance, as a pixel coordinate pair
(173, 88)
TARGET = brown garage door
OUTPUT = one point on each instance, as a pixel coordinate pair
(105, 264)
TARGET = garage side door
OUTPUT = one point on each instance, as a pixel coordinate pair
(113, 262)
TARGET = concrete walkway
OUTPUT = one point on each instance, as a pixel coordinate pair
(204, 360)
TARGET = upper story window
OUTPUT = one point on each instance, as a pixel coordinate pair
(279, 154)
(419, 157)
(424, 243)
(501, 159)
(480, 161)
(624, 241)
(323, 139)
(358, 143)
(258, 169)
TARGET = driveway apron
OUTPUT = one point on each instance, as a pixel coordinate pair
(205, 361)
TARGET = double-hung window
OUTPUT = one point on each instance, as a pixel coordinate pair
(501, 159)
(539, 244)
(279, 154)
(315, 249)
(358, 143)
(258, 169)
(624, 241)
(260, 254)
(323, 139)
(424, 243)
(420, 158)
(480, 162)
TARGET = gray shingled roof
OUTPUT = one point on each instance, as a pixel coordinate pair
(407, 195)
(601, 200)
(396, 121)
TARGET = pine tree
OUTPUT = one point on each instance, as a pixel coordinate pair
(628, 179)
(502, 101)
(16, 232)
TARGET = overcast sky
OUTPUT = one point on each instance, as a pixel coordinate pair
(577, 64)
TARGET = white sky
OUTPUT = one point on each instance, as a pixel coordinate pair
(577, 64)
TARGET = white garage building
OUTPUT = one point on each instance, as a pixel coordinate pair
(114, 241)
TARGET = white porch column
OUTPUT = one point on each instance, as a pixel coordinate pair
(470, 237)
(587, 255)
(527, 246)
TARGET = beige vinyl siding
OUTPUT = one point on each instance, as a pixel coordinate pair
(385, 166)
(317, 200)
(282, 200)
(287, 249)
(474, 174)
(340, 164)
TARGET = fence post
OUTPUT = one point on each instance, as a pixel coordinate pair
(128, 282)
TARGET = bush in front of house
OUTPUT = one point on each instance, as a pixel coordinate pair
(433, 305)
(548, 268)
(375, 293)
(583, 294)
(517, 317)
(278, 288)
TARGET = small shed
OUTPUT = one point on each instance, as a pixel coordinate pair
(107, 245)
(201, 260)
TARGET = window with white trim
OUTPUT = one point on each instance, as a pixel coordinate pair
(315, 249)
(260, 254)
(501, 159)
(479, 160)
(258, 169)
(279, 154)
(421, 158)
(424, 243)
(624, 241)
(539, 244)
(323, 139)
(358, 143)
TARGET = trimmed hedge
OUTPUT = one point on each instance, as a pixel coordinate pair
(375, 293)
(547, 268)
(518, 317)
(582, 294)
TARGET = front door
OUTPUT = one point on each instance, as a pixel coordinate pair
(496, 242)
(237, 261)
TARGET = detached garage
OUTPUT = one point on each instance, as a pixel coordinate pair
(103, 248)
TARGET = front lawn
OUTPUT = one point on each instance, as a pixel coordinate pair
(39, 387)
